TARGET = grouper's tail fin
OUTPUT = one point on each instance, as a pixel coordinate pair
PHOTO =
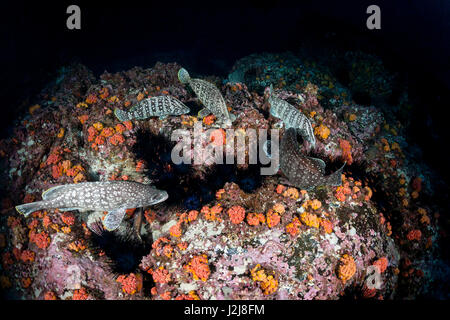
(121, 115)
(183, 75)
(335, 179)
(31, 207)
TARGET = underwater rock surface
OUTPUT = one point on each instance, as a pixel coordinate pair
(225, 232)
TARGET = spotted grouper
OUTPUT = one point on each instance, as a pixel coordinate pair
(302, 171)
(292, 117)
(111, 196)
(160, 106)
(210, 96)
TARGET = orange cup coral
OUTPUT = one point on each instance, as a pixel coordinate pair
(198, 267)
(272, 218)
(160, 275)
(311, 220)
(236, 214)
(268, 283)
(292, 193)
(322, 131)
(382, 264)
(130, 283)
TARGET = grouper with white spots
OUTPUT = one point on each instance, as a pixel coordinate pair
(115, 197)
(159, 106)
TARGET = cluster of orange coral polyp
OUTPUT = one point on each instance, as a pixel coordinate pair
(309, 219)
(66, 167)
(322, 131)
(293, 228)
(280, 189)
(40, 239)
(192, 215)
(291, 193)
(382, 264)
(49, 295)
(116, 139)
(313, 204)
(211, 214)
(104, 93)
(219, 193)
(160, 275)
(236, 214)
(326, 225)
(255, 219)
(272, 218)
(342, 192)
(209, 120)
(268, 283)
(68, 218)
(140, 166)
(175, 230)
(130, 283)
(92, 98)
(346, 151)
(97, 134)
(128, 125)
(76, 246)
(414, 235)
(158, 245)
(83, 118)
(279, 208)
(80, 294)
(27, 256)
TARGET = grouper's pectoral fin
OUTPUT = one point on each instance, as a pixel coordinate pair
(114, 218)
(203, 113)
